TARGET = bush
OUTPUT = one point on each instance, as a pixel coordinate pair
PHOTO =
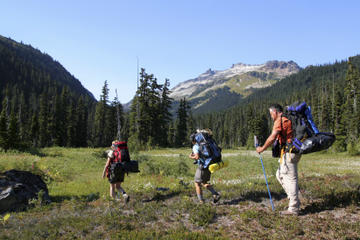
(176, 169)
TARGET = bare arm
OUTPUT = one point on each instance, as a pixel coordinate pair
(269, 141)
(194, 156)
(106, 166)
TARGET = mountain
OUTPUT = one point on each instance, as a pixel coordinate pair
(214, 90)
(27, 70)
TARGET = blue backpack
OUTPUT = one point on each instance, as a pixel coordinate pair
(306, 136)
(208, 148)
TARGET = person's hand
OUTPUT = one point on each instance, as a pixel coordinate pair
(259, 150)
(191, 155)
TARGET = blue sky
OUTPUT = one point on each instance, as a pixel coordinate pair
(101, 40)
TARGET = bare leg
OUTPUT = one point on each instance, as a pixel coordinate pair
(199, 191)
(112, 190)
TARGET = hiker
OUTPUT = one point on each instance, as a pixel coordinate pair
(202, 174)
(114, 156)
(287, 173)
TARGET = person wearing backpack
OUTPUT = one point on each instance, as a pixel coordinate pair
(287, 173)
(113, 169)
(202, 174)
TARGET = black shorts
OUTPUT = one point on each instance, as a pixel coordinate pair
(118, 178)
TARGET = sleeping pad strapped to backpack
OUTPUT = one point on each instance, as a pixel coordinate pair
(209, 151)
(306, 136)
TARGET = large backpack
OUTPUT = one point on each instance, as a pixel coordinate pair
(122, 160)
(306, 136)
(209, 151)
(121, 152)
(121, 155)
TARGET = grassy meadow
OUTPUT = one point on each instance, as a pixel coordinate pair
(163, 202)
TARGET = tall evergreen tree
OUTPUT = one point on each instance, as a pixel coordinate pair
(81, 123)
(34, 130)
(4, 126)
(165, 116)
(44, 138)
(182, 119)
(100, 117)
(350, 106)
(71, 125)
(13, 132)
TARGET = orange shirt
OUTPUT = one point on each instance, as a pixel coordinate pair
(285, 130)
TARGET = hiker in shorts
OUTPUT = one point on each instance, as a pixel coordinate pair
(287, 173)
(115, 181)
(202, 175)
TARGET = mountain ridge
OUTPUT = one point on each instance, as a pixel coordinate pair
(24, 65)
(238, 81)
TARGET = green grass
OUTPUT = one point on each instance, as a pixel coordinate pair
(163, 201)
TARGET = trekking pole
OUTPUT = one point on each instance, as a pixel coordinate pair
(267, 185)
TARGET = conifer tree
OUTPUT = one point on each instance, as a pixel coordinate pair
(4, 125)
(34, 130)
(350, 106)
(71, 125)
(165, 116)
(44, 121)
(13, 132)
(81, 123)
(146, 117)
(181, 127)
(56, 122)
(100, 117)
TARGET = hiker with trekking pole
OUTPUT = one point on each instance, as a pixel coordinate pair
(287, 173)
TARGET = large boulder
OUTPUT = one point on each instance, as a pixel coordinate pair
(18, 187)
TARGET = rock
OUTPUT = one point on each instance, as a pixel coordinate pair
(18, 187)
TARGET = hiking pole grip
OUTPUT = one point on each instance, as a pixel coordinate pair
(256, 143)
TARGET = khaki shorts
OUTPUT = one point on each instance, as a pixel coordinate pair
(202, 175)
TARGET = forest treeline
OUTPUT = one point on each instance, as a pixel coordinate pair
(43, 105)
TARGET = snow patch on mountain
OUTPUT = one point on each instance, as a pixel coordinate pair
(212, 79)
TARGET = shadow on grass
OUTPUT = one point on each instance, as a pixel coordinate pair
(162, 197)
(332, 201)
(85, 198)
(255, 196)
(37, 152)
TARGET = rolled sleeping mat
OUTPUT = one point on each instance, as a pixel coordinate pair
(320, 141)
(216, 166)
(131, 166)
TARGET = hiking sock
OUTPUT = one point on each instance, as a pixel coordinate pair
(121, 190)
(200, 197)
(213, 191)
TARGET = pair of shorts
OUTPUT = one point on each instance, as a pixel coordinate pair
(202, 175)
(118, 178)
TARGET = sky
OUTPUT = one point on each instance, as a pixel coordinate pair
(98, 41)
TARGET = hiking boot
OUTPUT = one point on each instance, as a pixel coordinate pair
(216, 198)
(126, 198)
(289, 213)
